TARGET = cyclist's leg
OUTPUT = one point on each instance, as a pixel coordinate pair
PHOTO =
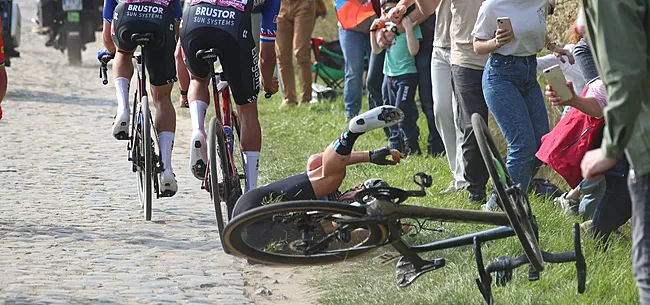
(192, 40)
(122, 73)
(162, 75)
(241, 68)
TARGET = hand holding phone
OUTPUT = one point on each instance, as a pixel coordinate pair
(555, 78)
(505, 33)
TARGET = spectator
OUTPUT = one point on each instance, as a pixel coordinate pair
(296, 22)
(354, 26)
(615, 207)
(400, 78)
(435, 147)
(445, 107)
(510, 84)
(619, 32)
(467, 72)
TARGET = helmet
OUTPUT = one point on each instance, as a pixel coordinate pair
(374, 182)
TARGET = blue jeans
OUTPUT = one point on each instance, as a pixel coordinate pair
(515, 99)
(399, 91)
(593, 193)
(355, 46)
(423, 64)
(374, 82)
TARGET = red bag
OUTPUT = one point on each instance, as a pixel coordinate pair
(564, 147)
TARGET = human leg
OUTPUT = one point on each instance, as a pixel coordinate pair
(502, 80)
(593, 192)
(404, 88)
(304, 21)
(375, 79)
(423, 65)
(614, 209)
(284, 53)
(354, 61)
(639, 187)
(445, 115)
(395, 137)
(470, 96)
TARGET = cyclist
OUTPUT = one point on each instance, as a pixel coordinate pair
(225, 25)
(264, 14)
(122, 18)
(326, 171)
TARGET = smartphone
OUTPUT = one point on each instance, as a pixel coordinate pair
(504, 24)
(555, 77)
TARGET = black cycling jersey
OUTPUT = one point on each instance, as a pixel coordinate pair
(224, 25)
(129, 18)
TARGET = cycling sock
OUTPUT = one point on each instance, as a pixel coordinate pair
(122, 91)
(166, 142)
(252, 162)
(197, 112)
(343, 145)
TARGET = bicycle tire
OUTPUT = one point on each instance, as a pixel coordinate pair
(234, 239)
(148, 160)
(520, 217)
(239, 166)
(216, 146)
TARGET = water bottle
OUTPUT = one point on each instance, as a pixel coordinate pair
(230, 138)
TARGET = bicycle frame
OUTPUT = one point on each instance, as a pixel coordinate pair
(225, 115)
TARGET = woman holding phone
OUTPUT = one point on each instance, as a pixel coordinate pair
(512, 32)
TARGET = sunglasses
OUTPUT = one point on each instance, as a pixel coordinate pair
(386, 10)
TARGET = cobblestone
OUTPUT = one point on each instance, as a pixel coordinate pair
(71, 228)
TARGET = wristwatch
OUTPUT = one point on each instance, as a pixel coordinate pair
(393, 28)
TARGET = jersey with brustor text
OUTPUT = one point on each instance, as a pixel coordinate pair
(109, 7)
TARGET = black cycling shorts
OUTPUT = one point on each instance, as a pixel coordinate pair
(133, 18)
(293, 188)
(232, 37)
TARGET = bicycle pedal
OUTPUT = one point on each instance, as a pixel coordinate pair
(387, 257)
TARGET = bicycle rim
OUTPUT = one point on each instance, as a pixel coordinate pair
(148, 160)
(280, 236)
(518, 216)
(215, 137)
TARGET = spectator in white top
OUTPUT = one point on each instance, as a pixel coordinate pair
(510, 83)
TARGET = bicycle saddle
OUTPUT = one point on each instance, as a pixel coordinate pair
(207, 54)
(142, 38)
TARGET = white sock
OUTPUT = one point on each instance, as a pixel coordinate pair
(197, 113)
(166, 139)
(122, 85)
(251, 161)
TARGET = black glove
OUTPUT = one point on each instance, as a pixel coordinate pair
(378, 156)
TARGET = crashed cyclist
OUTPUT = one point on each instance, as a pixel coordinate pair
(326, 170)
(122, 18)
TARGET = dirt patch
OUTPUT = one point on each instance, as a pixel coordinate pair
(279, 285)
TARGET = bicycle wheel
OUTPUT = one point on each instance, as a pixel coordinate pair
(146, 173)
(515, 204)
(303, 233)
(238, 167)
(216, 147)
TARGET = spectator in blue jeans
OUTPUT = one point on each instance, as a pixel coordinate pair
(400, 78)
(510, 85)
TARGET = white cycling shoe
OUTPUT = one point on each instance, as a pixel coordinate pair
(121, 126)
(378, 117)
(168, 184)
(198, 155)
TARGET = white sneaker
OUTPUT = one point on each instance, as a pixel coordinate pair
(378, 117)
(198, 155)
(168, 185)
(121, 126)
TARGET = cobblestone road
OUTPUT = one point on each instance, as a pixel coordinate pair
(71, 230)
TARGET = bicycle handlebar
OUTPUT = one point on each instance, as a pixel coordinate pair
(104, 67)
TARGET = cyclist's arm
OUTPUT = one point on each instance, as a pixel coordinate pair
(109, 8)
(316, 160)
(178, 15)
(268, 31)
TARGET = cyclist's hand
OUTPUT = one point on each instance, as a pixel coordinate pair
(101, 53)
(378, 156)
(273, 86)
